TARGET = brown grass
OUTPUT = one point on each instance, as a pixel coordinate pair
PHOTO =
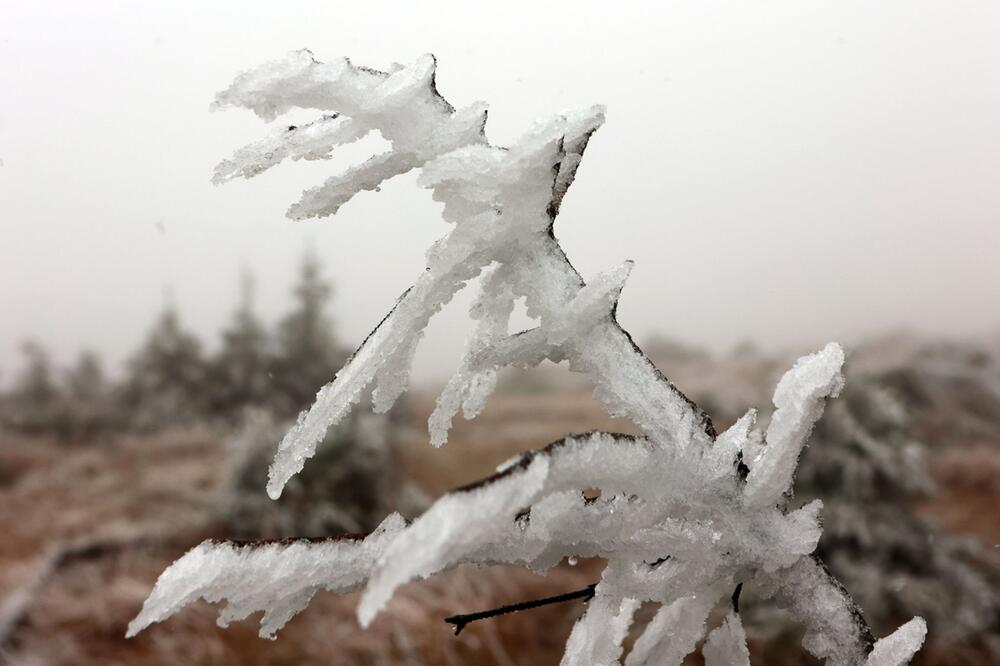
(968, 501)
(114, 515)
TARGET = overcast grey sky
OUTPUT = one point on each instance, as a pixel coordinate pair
(786, 172)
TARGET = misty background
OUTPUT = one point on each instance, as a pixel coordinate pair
(781, 172)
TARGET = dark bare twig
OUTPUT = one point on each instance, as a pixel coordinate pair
(461, 620)
(736, 597)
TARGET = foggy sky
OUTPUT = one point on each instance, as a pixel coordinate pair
(783, 172)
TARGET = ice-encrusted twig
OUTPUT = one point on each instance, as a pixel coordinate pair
(312, 141)
(684, 514)
(279, 578)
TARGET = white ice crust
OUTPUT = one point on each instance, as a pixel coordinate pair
(727, 644)
(684, 514)
(279, 578)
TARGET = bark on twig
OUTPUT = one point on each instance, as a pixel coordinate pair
(461, 620)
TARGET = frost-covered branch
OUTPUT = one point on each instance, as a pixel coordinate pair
(684, 515)
(279, 578)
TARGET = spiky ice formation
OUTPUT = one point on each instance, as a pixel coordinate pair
(277, 577)
(683, 516)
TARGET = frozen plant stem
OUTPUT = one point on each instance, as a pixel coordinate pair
(684, 513)
(460, 621)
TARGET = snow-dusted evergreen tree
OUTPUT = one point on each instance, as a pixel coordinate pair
(34, 403)
(307, 351)
(960, 380)
(167, 377)
(353, 483)
(685, 514)
(240, 372)
(89, 398)
(866, 464)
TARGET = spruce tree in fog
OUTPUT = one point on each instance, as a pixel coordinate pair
(89, 408)
(240, 372)
(166, 382)
(307, 352)
(868, 468)
(353, 485)
(34, 404)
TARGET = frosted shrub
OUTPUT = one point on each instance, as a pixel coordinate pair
(685, 515)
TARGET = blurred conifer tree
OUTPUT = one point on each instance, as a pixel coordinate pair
(307, 354)
(88, 398)
(241, 373)
(35, 403)
(167, 378)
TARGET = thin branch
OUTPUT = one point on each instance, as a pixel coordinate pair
(736, 598)
(460, 621)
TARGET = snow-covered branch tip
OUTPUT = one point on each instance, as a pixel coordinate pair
(684, 514)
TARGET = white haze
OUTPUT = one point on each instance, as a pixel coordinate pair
(786, 172)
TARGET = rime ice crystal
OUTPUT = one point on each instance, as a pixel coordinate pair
(727, 644)
(673, 632)
(684, 514)
(278, 578)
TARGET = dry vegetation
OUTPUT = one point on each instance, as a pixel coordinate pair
(87, 529)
